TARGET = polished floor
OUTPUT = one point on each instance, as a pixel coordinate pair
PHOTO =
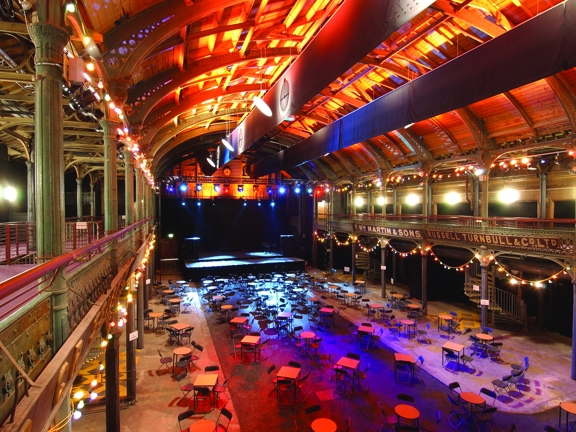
(530, 406)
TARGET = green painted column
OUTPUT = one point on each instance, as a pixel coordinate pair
(139, 197)
(110, 187)
(50, 41)
(129, 187)
(92, 199)
(30, 194)
(79, 198)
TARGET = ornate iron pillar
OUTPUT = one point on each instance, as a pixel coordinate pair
(129, 186)
(484, 259)
(353, 203)
(79, 198)
(139, 191)
(129, 192)
(369, 207)
(113, 384)
(475, 196)
(130, 345)
(394, 202)
(383, 244)
(353, 266)
(425, 198)
(424, 277)
(30, 186)
(573, 372)
(111, 187)
(92, 199)
(543, 185)
(484, 201)
(50, 41)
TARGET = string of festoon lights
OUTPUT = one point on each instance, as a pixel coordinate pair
(462, 267)
(513, 279)
(404, 254)
(117, 319)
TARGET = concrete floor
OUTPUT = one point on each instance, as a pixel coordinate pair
(534, 405)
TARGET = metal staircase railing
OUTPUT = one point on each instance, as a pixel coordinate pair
(503, 303)
(511, 306)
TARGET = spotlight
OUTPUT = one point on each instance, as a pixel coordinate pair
(10, 194)
(282, 190)
(216, 188)
(198, 187)
(240, 188)
(245, 204)
(259, 203)
(309, 189)
(262, 106)
(269, 190)
(183, 186)
(272, 204)
(297, 189)
(227, 145)
(198, 203)
(183, 203)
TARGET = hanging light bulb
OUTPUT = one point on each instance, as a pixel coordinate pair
(262, 106)
(259, 102)
(227, 145)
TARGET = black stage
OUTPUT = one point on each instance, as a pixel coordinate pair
(224, 264)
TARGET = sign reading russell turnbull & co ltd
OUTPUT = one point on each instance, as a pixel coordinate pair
(543, 244)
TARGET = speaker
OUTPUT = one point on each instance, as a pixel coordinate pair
(191, 248)
(289, 247)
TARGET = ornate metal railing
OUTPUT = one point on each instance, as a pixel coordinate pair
(16, 242)
(92, 287)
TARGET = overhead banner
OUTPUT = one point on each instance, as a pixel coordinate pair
(390, 231)
(543, 244)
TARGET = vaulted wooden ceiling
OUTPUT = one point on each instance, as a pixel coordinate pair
(185, 72)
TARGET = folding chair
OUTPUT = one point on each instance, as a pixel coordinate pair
(484, 417)
(503, 385)
(164, 362)
(457, 411)
(489, 393)
(185, 415)
(185, 385)
(467, 360)
(421, 334)
(456, 390)
(228, 416)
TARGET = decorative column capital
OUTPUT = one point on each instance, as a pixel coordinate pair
(119, 89)
(485, 257)
(110, 128)
(49, 41)
(128, 157)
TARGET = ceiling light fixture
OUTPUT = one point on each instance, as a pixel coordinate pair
(210, 160)
(224, 140)
(259, 102)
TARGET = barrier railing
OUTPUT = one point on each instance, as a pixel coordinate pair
(16, 240)
(510, 304)
(22, 288)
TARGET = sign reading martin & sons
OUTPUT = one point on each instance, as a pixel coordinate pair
(542, 244)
